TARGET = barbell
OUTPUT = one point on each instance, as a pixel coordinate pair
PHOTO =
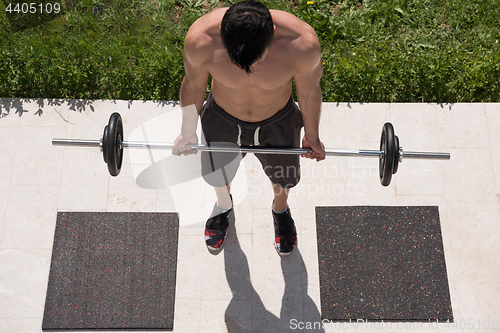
(389, 153)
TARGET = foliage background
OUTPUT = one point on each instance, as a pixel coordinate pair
(373, 50)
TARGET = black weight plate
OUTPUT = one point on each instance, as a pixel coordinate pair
(104, 144)
(386, 160)
(113, 147)
(396, 156)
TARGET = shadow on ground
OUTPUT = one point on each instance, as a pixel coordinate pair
(296, 305)
(10, 106)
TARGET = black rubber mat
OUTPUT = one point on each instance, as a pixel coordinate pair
(112, 271)
(382, 263)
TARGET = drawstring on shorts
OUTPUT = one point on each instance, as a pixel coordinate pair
(255, 136)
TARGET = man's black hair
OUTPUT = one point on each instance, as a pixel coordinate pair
(247, 30)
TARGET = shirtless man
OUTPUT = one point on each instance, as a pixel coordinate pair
(253, 54)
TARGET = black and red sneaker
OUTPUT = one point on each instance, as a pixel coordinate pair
(285, 235)
(215, 229)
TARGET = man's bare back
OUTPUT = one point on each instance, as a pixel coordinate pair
(260, 95)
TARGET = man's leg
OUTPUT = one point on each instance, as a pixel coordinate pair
(223, 196)
(285, 235)
(280, 198)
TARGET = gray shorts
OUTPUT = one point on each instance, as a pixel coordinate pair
(282, 130)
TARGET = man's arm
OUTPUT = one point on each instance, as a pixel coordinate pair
(193, 90)
(309, 95)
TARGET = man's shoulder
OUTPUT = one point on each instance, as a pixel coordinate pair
(298, 39)
(204, 29)
(300, 34)
(202, 36)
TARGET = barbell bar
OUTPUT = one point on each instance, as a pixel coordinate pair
(112, 145)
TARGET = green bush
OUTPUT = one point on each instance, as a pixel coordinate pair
(373, 51)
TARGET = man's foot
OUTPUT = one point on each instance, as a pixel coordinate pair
(285, 235)
(215, 228)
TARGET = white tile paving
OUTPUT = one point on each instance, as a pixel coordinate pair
(248, 287)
